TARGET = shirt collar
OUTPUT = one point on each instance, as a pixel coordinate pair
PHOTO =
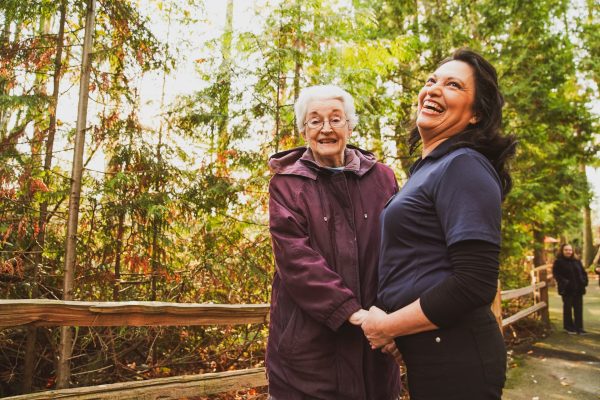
(441, 150)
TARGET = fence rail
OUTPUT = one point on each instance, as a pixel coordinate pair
(129, 313)
(163, 388)
(15, 313)
(540, 276)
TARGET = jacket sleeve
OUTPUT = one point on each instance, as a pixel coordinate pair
(559, 277)
(584, 275)
(304, 272)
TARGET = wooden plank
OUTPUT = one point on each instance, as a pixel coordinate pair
(163, 388)
(497, 305)
(43, 312)
(523, 313)
(514, 293)
(545, 266)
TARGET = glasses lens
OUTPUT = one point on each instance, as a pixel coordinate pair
(314, 123)
(337, 122)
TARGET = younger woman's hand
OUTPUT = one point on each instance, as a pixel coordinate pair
(373, 326)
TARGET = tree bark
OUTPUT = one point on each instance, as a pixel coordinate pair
(297, 57)
(587, 252)
(118, 250)
(29, 363)
(225, 89)
(539, 258)
(66, 337)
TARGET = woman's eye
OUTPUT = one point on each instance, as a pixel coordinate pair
(335, 119)
(454, 84)
(430, 82)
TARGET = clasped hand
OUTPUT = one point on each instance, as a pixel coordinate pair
(372, 322)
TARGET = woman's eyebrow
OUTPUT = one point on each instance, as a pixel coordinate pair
(315, 112)
(450, 78)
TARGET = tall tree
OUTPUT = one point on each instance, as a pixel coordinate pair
(66, 339)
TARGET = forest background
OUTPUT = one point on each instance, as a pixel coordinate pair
(187, 99)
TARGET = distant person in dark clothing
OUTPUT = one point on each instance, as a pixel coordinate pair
(571, 280)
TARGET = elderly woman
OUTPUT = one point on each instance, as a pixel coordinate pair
(440, 247)
(324, 208)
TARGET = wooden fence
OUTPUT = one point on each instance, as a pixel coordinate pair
(540, 279)
(15, 313)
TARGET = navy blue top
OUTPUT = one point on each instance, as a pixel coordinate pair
(451, 196)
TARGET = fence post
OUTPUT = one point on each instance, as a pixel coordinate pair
(497, 307)
(544, 312)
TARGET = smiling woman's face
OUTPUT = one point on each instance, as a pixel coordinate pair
(446, 102)
(327, 144)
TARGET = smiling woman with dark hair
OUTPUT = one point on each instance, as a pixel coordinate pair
(438, 265)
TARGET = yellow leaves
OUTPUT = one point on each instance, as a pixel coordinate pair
(379, 56)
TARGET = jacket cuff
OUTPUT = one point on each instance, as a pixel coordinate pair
(342, 313)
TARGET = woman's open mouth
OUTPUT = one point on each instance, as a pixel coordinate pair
(327, 141)
(433, 106)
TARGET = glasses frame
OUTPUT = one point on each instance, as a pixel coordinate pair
(323, 124)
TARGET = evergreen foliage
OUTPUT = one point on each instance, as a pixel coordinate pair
(179, 213)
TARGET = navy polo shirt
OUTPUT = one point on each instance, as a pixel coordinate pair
(451, 196)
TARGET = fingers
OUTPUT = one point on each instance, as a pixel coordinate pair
(389, 348)
(358, 317)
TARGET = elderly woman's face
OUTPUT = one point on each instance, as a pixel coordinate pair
(327, 142)
(446, 102)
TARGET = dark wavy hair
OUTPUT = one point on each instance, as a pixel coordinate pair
(485, 135)
(560, 254)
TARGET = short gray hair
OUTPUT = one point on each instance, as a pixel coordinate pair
(324, 92)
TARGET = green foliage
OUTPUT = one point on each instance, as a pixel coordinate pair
(179, 213)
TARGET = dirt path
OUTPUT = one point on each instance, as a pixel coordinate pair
(561, 366)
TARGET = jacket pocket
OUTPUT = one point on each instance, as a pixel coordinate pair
(286, 339)
(306, 339)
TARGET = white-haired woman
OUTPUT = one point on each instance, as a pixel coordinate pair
(324, 207)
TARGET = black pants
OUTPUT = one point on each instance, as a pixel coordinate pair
(463, 362)
(573, 312)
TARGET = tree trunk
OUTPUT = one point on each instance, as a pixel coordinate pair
(297, 58)
(539, 258)
(4, 42)
(157, 219)
(587, 251)
(29, 363)
(225, 89)
(66, 337)
(118, 250)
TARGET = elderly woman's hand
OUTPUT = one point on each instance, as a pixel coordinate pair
(372, 327)
(358, 317)
(393, 351)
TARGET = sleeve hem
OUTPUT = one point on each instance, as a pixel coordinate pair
(428, 310)
(342, 313)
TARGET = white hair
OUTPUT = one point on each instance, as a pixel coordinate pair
(324, 92)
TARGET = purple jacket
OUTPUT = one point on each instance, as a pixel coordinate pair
(325, 231)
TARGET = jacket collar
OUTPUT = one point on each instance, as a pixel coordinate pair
(300, 161)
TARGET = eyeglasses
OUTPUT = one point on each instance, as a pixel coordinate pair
(335, 122)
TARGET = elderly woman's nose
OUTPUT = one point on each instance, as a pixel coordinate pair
(326, 126)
